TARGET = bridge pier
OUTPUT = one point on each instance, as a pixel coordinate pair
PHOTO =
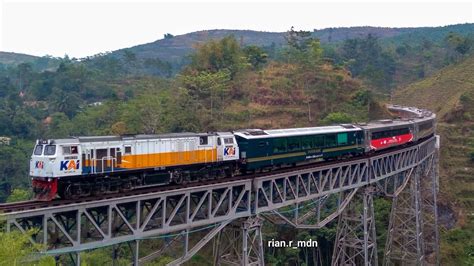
(355, 242)
(240, 243)
(413, 231)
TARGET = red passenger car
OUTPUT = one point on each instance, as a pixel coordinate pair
(392, 137)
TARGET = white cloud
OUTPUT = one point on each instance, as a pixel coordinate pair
(81, 28)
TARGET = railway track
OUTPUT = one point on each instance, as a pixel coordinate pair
(6, 208)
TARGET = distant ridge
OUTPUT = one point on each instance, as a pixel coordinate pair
(174, 49)
(9, 58)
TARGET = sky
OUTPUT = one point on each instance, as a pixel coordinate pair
(82, 28)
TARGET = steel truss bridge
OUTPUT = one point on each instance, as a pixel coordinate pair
(229, 215)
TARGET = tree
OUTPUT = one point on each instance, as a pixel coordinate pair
(23, 124)
(19, 194)
(119, 128)
(58, 125)
(255, 56)
(220, 55)
(302, 48)
(299, 40)
(168, 36)
(65, 102)
(24, 75)
(314, 52)
(336, 118)
(14, 166)
(459, 43)
(209, 88)
(16, 249)
(366, 58)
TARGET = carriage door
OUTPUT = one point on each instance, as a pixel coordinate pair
(101, 160)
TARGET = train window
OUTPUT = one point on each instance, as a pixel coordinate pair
(330, 140)
(50, 150)
(228, 141)
(279, 145)
(306, 142)
(128, 149)
(378, 135)
(261, 144)
(293, 144)
(203, 140)
(68, 150)
(38, 150)
(318, 141)
(425, 126)
(342, 138)
(219, 142)
(404, 131)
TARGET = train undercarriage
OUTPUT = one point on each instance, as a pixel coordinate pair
(74, 187)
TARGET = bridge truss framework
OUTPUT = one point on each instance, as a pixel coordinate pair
(230, 214)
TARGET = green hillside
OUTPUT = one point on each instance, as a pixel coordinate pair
(8, 58)
(450, 93)
(442, 91)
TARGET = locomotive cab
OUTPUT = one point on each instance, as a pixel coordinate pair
(53, 159)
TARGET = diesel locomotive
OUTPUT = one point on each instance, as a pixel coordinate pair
(82, 166)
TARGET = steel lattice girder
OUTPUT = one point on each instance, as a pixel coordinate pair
(119, 220)
(281, 190)
(116, 220)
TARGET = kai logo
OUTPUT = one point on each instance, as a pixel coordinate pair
(69, 165)
(39, 165)
(229, 151)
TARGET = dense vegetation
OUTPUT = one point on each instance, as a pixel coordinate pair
(222, 85)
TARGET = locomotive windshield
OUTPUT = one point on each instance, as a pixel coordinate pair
(50, 150)
(38, 150)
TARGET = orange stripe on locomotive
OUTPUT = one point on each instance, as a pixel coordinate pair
(164, 159)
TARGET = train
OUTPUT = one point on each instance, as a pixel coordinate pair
(77, 167)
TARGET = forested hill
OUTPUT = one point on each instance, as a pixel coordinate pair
(38, 63)
(450, 93)
(174, 48)
(8, 58)
(401, 54)
(167, 56)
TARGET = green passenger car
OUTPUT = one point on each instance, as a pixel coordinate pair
(261, 149)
